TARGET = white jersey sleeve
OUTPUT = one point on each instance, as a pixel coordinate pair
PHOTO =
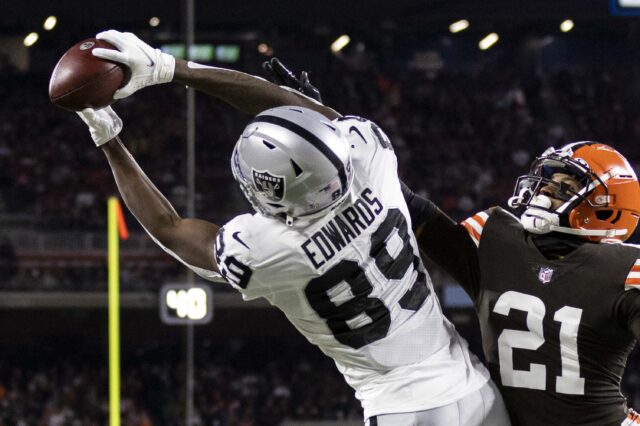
(252, 258)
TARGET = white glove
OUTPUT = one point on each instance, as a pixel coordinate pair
(148, 66)
(104, 124)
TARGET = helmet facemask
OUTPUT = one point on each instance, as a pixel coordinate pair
(540, 181)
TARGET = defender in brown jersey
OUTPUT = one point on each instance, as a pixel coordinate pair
(556, 291)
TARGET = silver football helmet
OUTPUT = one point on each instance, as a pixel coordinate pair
(291, 163)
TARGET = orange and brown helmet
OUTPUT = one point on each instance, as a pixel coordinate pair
(606, 206)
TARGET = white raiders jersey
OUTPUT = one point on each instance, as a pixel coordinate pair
(353, 284)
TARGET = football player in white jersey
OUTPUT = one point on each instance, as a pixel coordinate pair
(330, 243)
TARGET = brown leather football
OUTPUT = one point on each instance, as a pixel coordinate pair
(81, 80)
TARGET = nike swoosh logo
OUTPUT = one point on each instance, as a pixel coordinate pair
(151, 63)
(235, 237)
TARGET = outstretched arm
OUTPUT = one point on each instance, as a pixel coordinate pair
(190, 240)
(150, 66)
(245, 92)
(444, 241)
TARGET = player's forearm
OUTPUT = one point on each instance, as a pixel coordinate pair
(245, 92)
(141, 196)
(444, 241)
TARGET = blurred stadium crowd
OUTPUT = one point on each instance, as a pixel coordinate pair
(235, 386)
(461, 136)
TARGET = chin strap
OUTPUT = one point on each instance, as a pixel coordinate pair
(610, 233)
(537, 219)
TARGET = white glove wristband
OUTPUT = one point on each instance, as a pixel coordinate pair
(166, 67)
(104, 124)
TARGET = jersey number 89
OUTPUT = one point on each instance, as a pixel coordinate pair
(343, 319)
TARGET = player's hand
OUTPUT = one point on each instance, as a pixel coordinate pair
(148, 66)
(104, 124)
(282, 76)
(633, 419)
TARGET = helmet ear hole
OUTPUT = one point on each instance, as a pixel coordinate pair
(604, 214)
(297, 169)
(269, 144)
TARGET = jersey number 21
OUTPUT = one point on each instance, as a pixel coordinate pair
(569, 317)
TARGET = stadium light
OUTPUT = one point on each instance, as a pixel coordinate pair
(265, 49)
(458, 26)
(154, 21)
(50, 23)
(30, 39)
(566, 25)
(340, 43)
(488, 41)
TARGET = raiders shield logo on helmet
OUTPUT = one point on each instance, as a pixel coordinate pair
(270, 186)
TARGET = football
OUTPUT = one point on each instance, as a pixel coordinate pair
(81, 80)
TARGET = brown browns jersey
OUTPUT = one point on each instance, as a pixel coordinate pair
(551, 329)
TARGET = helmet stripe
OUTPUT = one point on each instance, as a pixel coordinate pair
(309, 137)
(584, 191)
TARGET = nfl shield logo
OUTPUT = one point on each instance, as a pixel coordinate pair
(545, 274)
(270, 186)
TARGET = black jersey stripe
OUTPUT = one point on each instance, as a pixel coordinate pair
(311, 138)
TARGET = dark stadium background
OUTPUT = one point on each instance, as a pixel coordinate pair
(465, 123)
